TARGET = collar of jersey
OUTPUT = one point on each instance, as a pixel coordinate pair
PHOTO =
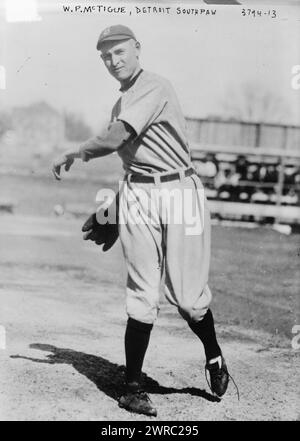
(131, 82)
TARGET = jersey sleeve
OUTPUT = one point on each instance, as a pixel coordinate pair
(145, 107)
(111, 140)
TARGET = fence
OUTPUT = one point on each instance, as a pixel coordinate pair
(244, 134)
(260, 144)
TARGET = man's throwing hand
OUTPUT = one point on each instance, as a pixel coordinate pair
(66, 160)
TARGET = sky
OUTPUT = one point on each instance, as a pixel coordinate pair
(208, 59)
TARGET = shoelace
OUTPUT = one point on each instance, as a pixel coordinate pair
(219, 375)
(142, 394)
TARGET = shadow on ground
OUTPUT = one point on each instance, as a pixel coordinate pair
(107, 376)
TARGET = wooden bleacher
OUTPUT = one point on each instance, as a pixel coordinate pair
(281, 213)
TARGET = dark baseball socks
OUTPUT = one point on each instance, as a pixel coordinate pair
(137, 337)
(205, 331)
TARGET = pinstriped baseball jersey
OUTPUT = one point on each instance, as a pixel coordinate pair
(151, 108)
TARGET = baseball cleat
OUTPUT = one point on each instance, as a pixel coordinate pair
(219, 376)
(137, 401)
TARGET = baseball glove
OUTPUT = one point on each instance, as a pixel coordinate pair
(106, 233)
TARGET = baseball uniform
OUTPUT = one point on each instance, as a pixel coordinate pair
(159, 244)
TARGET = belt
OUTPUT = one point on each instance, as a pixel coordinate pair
(162, 178)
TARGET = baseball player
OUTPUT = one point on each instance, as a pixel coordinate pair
(147, 130)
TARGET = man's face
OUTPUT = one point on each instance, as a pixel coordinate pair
(121, 58)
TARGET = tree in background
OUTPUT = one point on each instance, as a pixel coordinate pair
(75, 128)
(255, 103)
(5, 123)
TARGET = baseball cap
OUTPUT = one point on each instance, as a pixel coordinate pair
(116, 32)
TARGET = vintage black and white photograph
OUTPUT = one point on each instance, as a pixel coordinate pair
(149, 211)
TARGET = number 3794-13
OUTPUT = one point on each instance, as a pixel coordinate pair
(272, 13)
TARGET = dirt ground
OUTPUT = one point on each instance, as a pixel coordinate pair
(62, 306)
